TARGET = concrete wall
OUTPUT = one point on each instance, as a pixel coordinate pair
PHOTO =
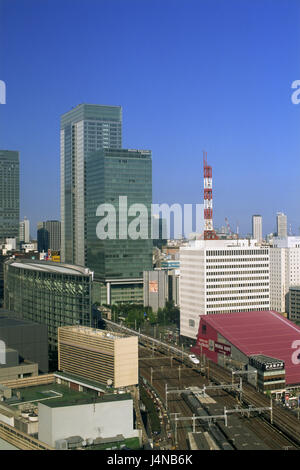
(126, 361)
(88, 421)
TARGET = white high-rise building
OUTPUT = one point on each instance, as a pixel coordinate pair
(257, 227)
(284, 271)
(221, 276)
(24, 231)
(281, 225)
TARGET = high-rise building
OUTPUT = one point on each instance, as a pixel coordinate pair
(9, 194)
(86, 128)
(48, 235)
(221, 276)
(94, 171)
(284, 271)
(257, 227)
(281, 220)
(116, 177)
(24, 231)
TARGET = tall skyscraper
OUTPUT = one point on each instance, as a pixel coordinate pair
(257, 227)
(95, 170)
(86, 128)
(9, 194)
(118, 263)
(281, 225)
(24, 231)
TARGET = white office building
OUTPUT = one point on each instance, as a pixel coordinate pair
(221, 276)
(24, 231)
(281, 220)
(284, 271)
(257, 227)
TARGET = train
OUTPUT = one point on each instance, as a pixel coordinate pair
(194, 404)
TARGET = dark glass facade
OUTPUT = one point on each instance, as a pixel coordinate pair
(48, 293)
(111, 174)
(9, 194)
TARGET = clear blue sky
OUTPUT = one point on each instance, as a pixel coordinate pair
(189, 74)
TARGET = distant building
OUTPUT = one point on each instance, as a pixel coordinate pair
(281, 220)
(9, 194)
(105, 357)
(49, 293)
(49, 235)
(24, 231)
(257, 228)
(221, 276)
(284, 271)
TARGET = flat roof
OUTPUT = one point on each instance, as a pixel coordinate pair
(51, 267)
(86, 330)
(261, 333)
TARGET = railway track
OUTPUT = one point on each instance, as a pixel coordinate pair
(280, 435)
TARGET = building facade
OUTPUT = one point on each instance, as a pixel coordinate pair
(49, 293)
(49, 235)
(221, 276)
(123, 179)
(86, 128)
(24, 231)
(257, 228)
(9, 194)
(284, 271)
(294, 304)
(105, 357)
(281, 220)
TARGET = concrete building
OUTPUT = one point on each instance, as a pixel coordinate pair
(221, 276)
(88, 419)
(281, 220)
(29, 339)
(17, 368)
(49, 293)
(257, 228)
(24, 231)
(108, 358)
(9, 194)
(284, 271)
(160, 286)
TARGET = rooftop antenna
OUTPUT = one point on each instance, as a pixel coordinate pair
(209, 233)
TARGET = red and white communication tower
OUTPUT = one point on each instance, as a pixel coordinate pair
(209, 233)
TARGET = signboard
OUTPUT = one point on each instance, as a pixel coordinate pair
(274, 365)
(202, 342)
(223, 348)
(153, 286)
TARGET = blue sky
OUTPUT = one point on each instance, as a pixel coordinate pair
(189, 74)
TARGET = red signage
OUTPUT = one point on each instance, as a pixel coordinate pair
(223, 348)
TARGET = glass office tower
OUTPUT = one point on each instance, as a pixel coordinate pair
(9, 194)
(84, 129)
(113, 174)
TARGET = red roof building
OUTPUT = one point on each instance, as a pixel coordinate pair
(248, 333)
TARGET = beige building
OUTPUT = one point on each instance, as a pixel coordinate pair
(105, 357)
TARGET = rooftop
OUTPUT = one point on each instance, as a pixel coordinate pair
(262, 333)
(85, 330)
(50, 267)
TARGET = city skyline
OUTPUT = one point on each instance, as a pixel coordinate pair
(179, 107)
